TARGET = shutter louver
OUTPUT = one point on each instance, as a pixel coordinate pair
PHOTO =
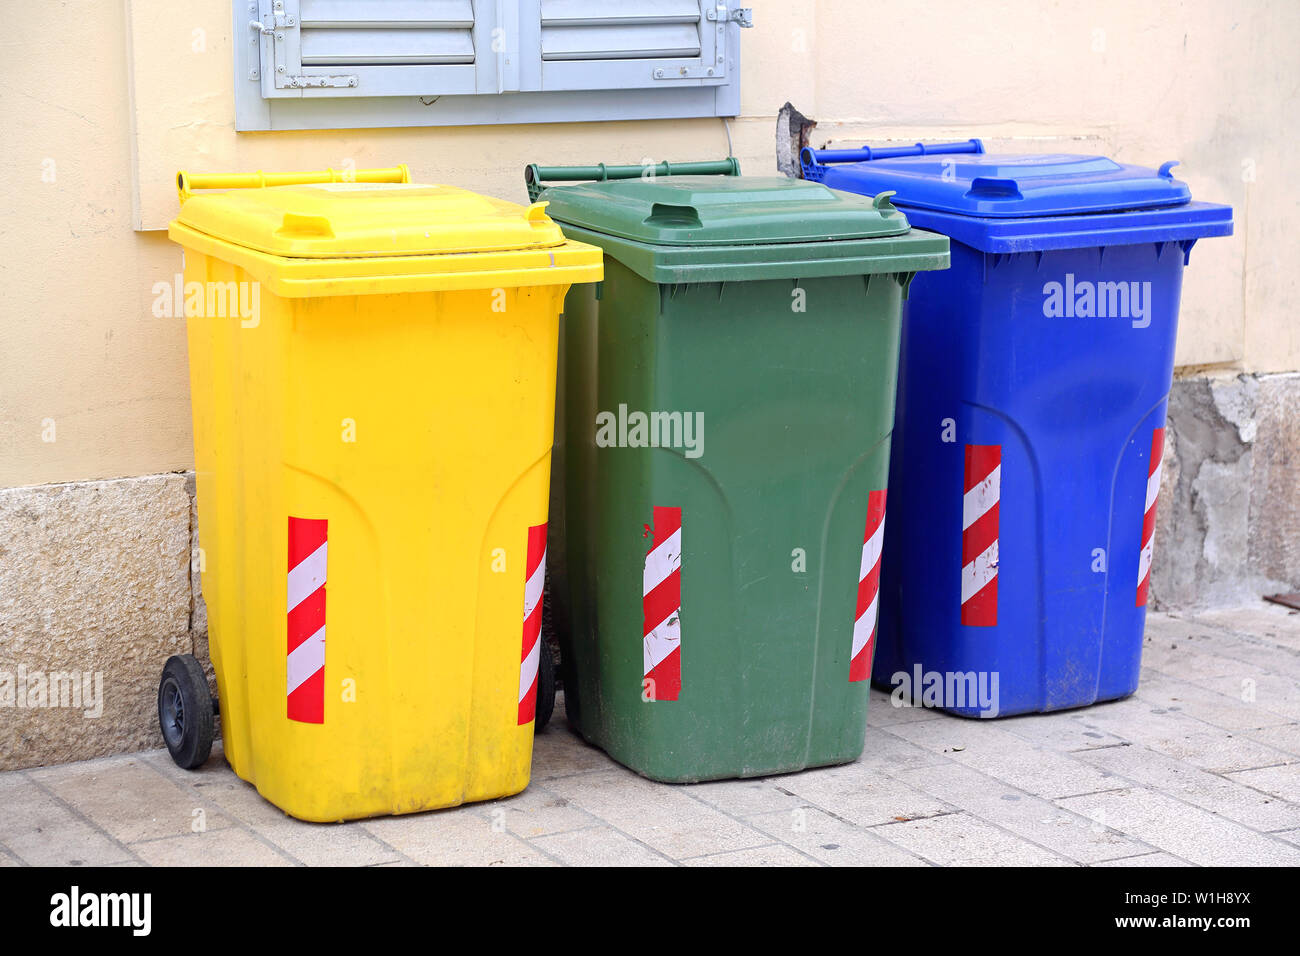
(591, 30)
(343, 33)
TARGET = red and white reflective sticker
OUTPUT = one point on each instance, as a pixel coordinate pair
(534, 584)
(306, 620)
(661, 605)
(1149, 516)
(979, 535)
(864, 626)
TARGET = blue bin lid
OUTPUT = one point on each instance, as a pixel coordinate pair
(962, 178)
(953, 181)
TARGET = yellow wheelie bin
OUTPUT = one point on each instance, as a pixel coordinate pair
(372, 371)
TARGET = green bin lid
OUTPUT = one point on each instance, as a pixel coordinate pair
(722, 210)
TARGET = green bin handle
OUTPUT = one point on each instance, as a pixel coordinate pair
(536, 176)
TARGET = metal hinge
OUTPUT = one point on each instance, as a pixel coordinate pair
(742, 15)
(282, 29)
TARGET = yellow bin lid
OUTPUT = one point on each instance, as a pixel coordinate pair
(295, 227)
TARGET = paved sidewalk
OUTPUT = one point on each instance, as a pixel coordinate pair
(1201, 767)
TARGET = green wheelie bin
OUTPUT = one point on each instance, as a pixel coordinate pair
(726, 400)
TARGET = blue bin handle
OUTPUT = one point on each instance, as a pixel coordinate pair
(814, 161)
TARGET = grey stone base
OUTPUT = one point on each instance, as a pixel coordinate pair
(96, 579)
(95, 594)
(1228, 519)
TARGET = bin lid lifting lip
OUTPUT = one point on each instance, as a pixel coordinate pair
(329, 220)
(968, 181)
(717, 211)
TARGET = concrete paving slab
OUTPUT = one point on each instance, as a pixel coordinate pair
(664, 818)
(1031, 818)
(37, 829)
(1224, 703)
(1282, 782)
(128, 799)
(986, 747)
(1145, 860)
(454, 838)
(961, 839)
(537, 812)
(598, 846)
(1285, 738)
(864, 797)
(1209, 791)
(831, 840)
(777, 854)
(233, 846)
(1198, 836)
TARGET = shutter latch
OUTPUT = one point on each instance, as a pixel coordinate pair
(742, 15)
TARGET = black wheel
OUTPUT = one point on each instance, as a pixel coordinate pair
(545, 688)
(185, 711)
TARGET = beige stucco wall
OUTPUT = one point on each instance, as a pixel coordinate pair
(103, 101)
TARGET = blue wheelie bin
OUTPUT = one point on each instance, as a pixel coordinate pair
(1033, 382)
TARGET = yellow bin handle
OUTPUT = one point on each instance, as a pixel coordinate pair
(187, 183)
